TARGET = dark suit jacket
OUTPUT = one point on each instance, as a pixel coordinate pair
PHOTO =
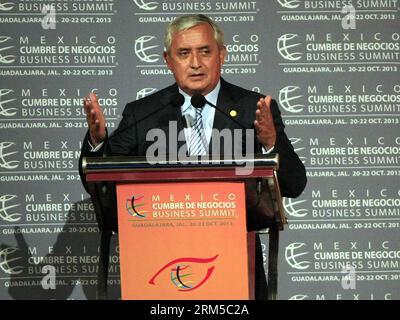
(157, 110)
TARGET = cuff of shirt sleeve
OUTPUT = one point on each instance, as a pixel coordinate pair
(266, 151)
(96, 148)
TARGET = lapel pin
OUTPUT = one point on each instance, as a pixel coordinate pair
(233, 113)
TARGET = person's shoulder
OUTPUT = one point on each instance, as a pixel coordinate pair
(238, 92)
(246, 97)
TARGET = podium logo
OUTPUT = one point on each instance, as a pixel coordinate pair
(4, 111)
(148, 6)
(6, 259)
(185, 274)
(293, 253)
(286, 45)
(134, 207)
(4, 162)
(5, 207)
(289, 4)
(290, 207)
(145, 92)
(5, 59)
(142, 47)
(288, 100)
(6, 6)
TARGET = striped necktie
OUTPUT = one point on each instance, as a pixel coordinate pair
(198, 141)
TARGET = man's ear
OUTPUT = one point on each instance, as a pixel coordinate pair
(222, 53)
(166, 59)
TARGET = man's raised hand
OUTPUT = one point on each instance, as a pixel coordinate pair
(264, 123)
(95, 119)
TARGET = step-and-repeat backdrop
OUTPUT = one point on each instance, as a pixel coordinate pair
(332, 65)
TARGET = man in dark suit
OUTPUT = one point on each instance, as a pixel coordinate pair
(195, 54)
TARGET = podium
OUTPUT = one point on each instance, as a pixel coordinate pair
(186, 229)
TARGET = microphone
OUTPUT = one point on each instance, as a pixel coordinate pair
(177, 100)
(198, 101)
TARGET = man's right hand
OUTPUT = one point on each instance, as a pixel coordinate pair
(95, 119)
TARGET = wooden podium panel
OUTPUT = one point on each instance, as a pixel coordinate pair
(183, 241)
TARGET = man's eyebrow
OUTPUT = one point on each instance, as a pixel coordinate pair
(199, 48)
(204, 48)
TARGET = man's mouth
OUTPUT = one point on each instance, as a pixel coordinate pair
(196, 76)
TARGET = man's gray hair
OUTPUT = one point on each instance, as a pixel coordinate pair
(189, 21)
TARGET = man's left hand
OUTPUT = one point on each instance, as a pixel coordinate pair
(264, 123)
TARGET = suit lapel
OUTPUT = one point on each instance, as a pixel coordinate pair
(225, 102)
(174, 114)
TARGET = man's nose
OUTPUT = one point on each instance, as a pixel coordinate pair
(195, 61)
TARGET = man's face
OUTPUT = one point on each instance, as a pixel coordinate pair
(195, 59)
